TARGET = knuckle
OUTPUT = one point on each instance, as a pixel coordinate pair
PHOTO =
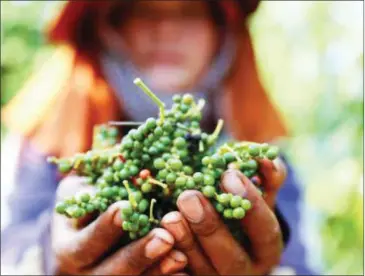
(239, 264)
(273, 236)
(206, 228)
(134, 261)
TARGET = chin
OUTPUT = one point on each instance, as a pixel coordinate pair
(169, 79)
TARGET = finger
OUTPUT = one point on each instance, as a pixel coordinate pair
(137, 256)
(175, 261)
(224, 252)
(175, 223)
(84, 247)
(273, 174)
(259, 223)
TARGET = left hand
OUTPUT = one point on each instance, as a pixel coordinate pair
(207, 242)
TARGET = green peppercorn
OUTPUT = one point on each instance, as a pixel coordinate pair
(219, 207)
(127, 144)
(235, 201)
(108, 176)
(146, 158)
(228, 213)
(137, 196)
(184, 108)
(133, 227)
(143, 220)
(158, 131)
(175, 164)
(153, 150)
(90, 208)
(151, 123)
(133, 170)
(206, 160)
(64, 167)
(132, 235)
(208, 179)
(229, 157)
(188, 99)
(123, 193)
(190, 184)
(254, 150)
(124, 173)
(146, 187)
(264, 147)
(127, 210)
(224, 199)
(159, 163)
(144, 231)
(85, 198)
(198, 178)
(107, 192)
(209, 191)
(134, 217)
(61, 208)
(180, 181)
(246, 204)
(143, 205)
(179, 142)
(238, 213)
(162, 174)
(170, 178)
(272, 153)
(125, 226)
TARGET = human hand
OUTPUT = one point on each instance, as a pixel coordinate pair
(89, 246)
(205, 239)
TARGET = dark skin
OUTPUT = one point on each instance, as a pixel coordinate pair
(207, 242)
(193, 239)
(83, 246)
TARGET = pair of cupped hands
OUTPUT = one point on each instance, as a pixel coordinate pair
(190, 241)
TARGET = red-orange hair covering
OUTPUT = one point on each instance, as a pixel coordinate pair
(59, 105)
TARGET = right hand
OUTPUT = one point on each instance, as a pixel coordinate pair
(83, 246)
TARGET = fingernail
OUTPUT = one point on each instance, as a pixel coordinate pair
(178, 256)
(175, 226)
(232, 183)
(172, 263)
(191, 207)
(160, 244)
(117, 219)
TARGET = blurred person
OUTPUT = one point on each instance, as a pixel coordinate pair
(198, 47)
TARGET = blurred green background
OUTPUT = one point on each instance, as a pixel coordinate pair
(310, 55)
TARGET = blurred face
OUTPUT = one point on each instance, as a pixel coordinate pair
(172, 42)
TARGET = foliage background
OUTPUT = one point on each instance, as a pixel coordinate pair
(310, 54)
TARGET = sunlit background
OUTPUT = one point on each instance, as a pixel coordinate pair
(310, 56)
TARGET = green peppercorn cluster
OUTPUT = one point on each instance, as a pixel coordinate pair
(155, 162)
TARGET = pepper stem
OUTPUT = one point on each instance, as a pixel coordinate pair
(201, 146)
(150, 94)
(152, 218)
(156, 182)
(218, 129)
(233, 152)
(183, 127)
(130, 194)
(115, 123)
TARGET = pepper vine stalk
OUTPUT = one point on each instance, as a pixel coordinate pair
(150, 94)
